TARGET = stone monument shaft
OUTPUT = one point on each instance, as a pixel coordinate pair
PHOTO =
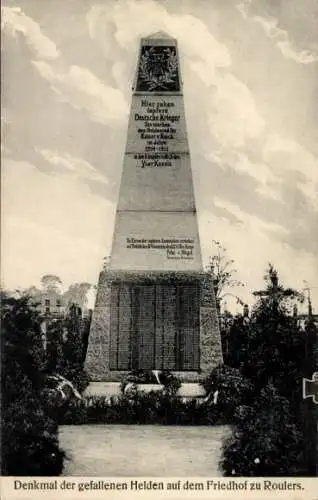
(147, 314)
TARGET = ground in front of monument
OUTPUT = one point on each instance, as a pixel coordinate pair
(139, 450)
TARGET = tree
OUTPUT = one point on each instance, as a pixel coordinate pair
(29, 433)
(219, 277)
(235, 333)
(217, 280)
(32, 292)
(70, 363)
(55, 334)
(272, 355)
(76, 294)
(276, 343)
(275, 295)
(50, 282)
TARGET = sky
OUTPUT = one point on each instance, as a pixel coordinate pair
(250, 73)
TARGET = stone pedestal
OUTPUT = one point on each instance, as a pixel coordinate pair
(97, 360)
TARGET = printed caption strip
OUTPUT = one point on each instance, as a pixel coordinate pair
(155, 488)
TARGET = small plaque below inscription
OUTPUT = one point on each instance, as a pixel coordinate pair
(181, 248)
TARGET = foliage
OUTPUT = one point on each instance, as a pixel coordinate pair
(266, 441)
(76, 294)
(269, 349)
(276, 343)
(29, 434)
(51, 287)
(308, 409)
(275, 296)
(33, 292)
(69, 333)
(50, 282)
(85, 328)
(234, 335)
(55, 340)
(219, 277)
(171, 384)
(233, 390)
(140, 407)
(311, 347)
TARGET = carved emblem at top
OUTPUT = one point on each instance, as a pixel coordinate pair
(158, 69)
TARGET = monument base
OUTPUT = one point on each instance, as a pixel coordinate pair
(112, 389)
(98, 362)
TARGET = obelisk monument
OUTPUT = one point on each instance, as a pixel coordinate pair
(148, 314)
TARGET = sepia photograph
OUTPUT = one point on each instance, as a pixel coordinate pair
(159, 259)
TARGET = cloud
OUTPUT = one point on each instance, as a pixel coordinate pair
(228, 210)
(121, 74)
(79, 167)
(197, 42)
(269, 184)
(255, 192)
(270, 26)
(56, 226)
(303, 56)
(293, 163)
(243, 7)
(298, 170)
(251, 221)
(15, 21)
(278, 202)
(253, 244)
(83, 90)
(229, 107)
(221, 210)
(235, 116)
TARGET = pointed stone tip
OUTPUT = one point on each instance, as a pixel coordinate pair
(159, 35)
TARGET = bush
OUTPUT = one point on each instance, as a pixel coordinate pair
(70, 361)
(266, 440)
(232, 389)
(273, 354)
(29, 433)
(138, 407)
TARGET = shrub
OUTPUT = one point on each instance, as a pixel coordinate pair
(269, 436)
(266, 440)
(29, 433)
(232, 389)
(138, 407)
